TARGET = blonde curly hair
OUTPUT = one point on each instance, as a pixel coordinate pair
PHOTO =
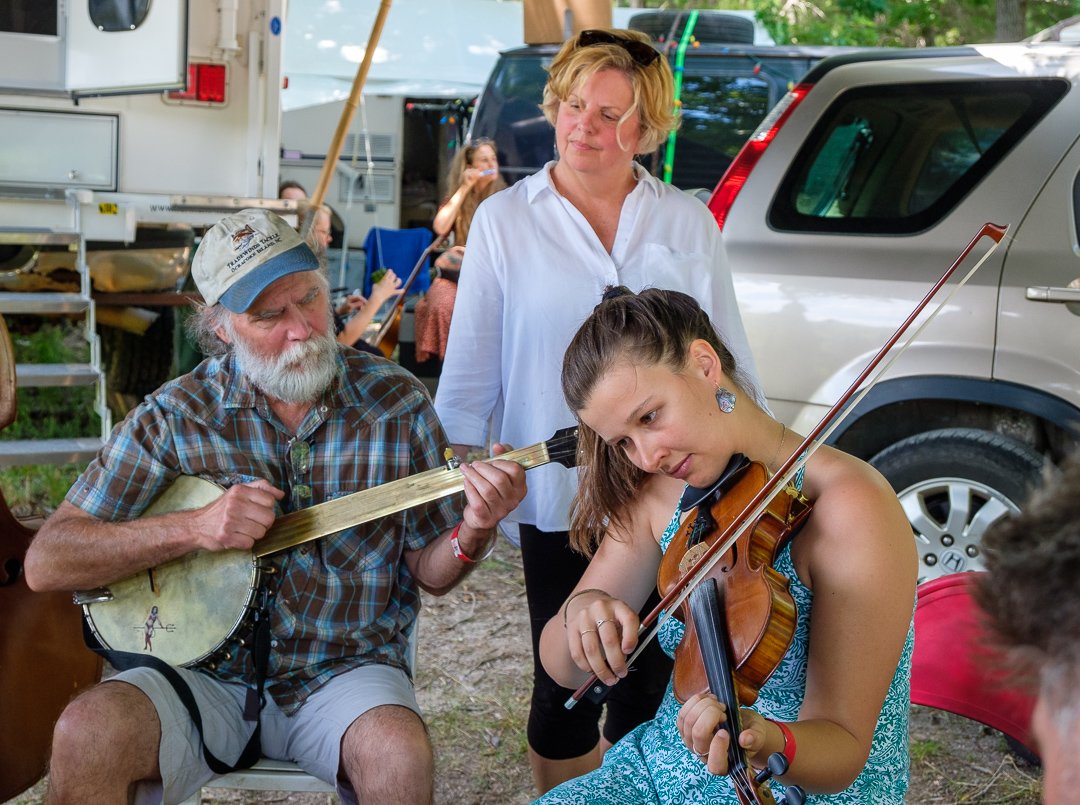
(653, 85)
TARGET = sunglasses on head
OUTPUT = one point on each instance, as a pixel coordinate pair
(641, 52)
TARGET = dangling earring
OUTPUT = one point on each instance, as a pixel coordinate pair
(725, 400)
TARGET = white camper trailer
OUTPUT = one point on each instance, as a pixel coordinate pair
(124, 126)
(128, 125)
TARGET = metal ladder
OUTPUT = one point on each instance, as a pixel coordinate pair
(58, 451)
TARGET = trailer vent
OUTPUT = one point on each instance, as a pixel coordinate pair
(375, 186)
(382, 146)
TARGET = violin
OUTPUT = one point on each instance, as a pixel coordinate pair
(389, 331)
(740, 619)
(756, 597)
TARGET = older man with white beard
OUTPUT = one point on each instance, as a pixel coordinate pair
(282, 418)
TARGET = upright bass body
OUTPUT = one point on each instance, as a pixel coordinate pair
(43, 663)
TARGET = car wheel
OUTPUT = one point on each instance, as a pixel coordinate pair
(1022, 752)
(136, 365)
(954, 485)
(716, 27)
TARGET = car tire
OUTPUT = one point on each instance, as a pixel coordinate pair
(954, 484)
(715, 27)
(1022, 752)
(136, 365)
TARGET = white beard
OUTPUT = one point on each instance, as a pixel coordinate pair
(300, 374)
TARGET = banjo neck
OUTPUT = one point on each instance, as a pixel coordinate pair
(361, 507)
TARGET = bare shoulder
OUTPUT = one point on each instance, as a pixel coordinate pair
(641, 525)
(857, 516)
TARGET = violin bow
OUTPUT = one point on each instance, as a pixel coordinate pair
(674, 598)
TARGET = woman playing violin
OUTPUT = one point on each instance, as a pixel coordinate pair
(661, 406)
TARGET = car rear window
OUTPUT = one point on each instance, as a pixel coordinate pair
(723, 101)
(895, 159)
(509, 113)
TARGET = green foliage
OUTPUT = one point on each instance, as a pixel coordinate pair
(923, 750)
(53, 413)
(883, 23)
(48, 413)
(37, 490)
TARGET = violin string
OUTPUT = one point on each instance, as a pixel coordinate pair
(740, 778)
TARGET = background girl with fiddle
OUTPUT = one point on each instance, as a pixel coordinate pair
(662, 405)
(474, 175)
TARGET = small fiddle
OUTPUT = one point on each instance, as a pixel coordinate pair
(386, 339)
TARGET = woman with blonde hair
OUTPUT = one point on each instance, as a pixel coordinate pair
(474, 175)
(538, 253)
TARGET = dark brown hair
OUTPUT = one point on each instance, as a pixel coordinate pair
(1030, 593)
(652, 327)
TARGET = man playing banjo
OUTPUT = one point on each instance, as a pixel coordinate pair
(281, 418)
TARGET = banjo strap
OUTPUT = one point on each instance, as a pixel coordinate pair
(124, 660)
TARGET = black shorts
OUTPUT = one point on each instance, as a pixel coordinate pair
(552, 570)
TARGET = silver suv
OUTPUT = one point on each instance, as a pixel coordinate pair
(854, 195)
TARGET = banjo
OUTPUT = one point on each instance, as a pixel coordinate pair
(184, 611)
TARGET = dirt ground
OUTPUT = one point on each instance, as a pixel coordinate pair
(473, 682)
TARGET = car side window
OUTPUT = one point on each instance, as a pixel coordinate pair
(897, 158)
(827, 180)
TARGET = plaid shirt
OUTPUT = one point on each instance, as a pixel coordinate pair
(343, 601)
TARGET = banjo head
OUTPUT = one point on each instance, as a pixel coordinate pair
(183, 611)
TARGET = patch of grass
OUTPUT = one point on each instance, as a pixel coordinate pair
(922, 751)
(37, 490)
(53, 413)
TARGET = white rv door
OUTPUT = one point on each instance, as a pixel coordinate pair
(93, 47)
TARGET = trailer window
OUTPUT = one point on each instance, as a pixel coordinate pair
(29, 17)
(118, 15)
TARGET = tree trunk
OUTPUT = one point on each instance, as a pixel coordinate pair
(1010, 20)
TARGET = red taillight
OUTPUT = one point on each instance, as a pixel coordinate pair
(739, 170)
(206, 84)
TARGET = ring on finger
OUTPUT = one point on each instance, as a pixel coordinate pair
(602, 622)
(587, 631)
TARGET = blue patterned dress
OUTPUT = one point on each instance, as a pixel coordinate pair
(653, 765)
